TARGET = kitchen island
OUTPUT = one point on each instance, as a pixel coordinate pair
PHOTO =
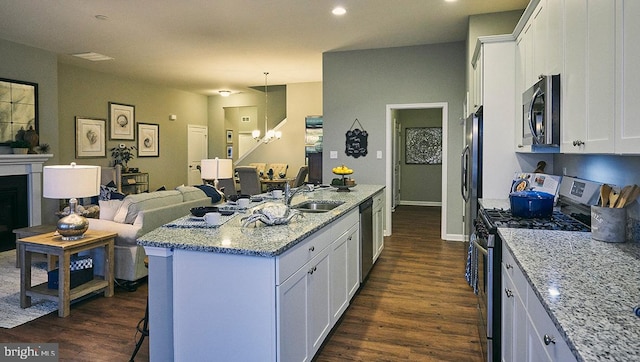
(258, 293)
(588, 288)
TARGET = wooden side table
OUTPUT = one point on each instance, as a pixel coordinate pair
(51, 244)
(32, 231)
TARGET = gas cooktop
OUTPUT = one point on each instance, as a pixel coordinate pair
(495, 218)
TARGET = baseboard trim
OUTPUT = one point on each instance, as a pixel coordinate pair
(420, 203)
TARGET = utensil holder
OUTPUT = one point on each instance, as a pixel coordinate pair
(608, 224)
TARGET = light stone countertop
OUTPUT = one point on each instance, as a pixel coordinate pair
(598, 284)
(266, 241)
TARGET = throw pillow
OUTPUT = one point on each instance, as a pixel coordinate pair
(211, 192)
(107, 190)
(162, 188)
(108, 208)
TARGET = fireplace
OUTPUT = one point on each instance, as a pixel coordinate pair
(14, 213)
(20, 194)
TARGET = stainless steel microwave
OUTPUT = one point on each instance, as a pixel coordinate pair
(541, 113)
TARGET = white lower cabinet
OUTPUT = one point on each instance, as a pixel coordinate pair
(378, 224)
(528, 333)
(312, 299)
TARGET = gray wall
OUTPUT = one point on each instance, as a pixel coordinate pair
(360, 84)
(24, 63)
(611, 169)
(87, 93)
(419, 183)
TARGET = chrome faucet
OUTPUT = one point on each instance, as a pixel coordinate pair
(288, 194)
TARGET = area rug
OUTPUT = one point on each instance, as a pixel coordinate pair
(11, 315)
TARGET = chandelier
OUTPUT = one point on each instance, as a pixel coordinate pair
(269, 134)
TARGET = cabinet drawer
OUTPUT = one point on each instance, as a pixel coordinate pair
(344, 223)
(294, 258)
(511, 268)
(543, 329)
(378, 200)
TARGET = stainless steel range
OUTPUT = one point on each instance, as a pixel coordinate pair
(575, 198)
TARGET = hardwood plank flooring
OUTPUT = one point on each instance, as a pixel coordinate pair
(415, 306)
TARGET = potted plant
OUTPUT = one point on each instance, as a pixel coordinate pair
(122, 154)
(20, 146)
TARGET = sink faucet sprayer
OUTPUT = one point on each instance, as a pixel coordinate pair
(288, 194)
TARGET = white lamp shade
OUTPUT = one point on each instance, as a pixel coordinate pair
(69, 181)
(216, 169)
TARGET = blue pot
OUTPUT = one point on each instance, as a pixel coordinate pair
(530, 204)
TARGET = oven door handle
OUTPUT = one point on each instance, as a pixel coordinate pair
(480, 248)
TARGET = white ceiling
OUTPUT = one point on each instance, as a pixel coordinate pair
(205, 46)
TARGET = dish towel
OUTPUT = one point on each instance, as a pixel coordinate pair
(471, 273)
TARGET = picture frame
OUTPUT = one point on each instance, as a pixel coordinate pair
(91, 137)
(122, 121)
(18, 108)
(229, 136)
(148, 140)
(229, 151)
(423, 146)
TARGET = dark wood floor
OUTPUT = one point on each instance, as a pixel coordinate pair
(416, 306)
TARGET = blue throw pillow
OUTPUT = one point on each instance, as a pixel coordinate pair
(211, 192)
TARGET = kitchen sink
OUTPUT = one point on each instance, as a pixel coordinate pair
(317, 206)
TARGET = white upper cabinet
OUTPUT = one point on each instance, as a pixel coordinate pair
(588, 79)
(627, 124)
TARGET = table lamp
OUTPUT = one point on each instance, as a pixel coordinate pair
(215, 169)
(69, 182)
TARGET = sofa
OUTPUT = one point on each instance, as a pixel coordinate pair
(136, 215)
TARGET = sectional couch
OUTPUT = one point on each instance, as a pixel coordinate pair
(136, 215)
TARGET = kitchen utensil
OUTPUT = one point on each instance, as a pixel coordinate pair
(613, 198)
(605, 190)
(529, 204)
(624, 195)
(633, 195)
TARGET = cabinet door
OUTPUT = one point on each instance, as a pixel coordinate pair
(588, 81)
(353, 261)
(292, 318)
(627, 137)
(508, 317)
(318, 303)
(339, 289)
(378, 225)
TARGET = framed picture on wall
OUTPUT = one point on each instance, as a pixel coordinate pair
(148, 140)
(423, 145)
(229, 151)
(18, 108)
(91, 137)
(122, 121)
(229, 136)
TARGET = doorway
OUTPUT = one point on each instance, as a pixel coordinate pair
(197, 150)
(392, 169)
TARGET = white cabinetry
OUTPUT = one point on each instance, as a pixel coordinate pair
(378, 224)
(588, 81)
(312, 300)
(627, 126)
(528, 334)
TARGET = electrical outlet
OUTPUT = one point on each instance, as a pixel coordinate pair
(379, 155)
(333, 154)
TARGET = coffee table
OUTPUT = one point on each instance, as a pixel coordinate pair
(52, 244)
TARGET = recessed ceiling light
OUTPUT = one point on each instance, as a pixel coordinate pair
(339, 10)
(94, 57)
(225, 93)
(102, 17)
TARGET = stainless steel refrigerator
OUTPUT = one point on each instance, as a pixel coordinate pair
(471, 170)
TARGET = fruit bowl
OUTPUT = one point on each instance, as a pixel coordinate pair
(342, 170)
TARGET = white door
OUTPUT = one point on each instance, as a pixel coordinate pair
(397, 128)
(197, 150)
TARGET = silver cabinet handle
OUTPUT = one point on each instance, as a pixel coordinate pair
(312, 270)
(578, 143)
(509, 266)
(549, 339)
(312, 248)
(508, 292)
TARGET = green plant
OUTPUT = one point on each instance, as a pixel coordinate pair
(122, 154)
(44, 148)
(19, 144)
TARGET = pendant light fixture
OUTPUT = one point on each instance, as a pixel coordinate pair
(269, 134)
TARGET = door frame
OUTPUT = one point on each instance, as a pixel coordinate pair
(190, 143)
(390, 144)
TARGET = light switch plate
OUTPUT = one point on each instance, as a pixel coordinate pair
(379, 155)
(333, 154)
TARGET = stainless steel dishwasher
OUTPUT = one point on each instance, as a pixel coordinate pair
(366, 238)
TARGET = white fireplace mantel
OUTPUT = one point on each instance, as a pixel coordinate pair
(30, 165)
